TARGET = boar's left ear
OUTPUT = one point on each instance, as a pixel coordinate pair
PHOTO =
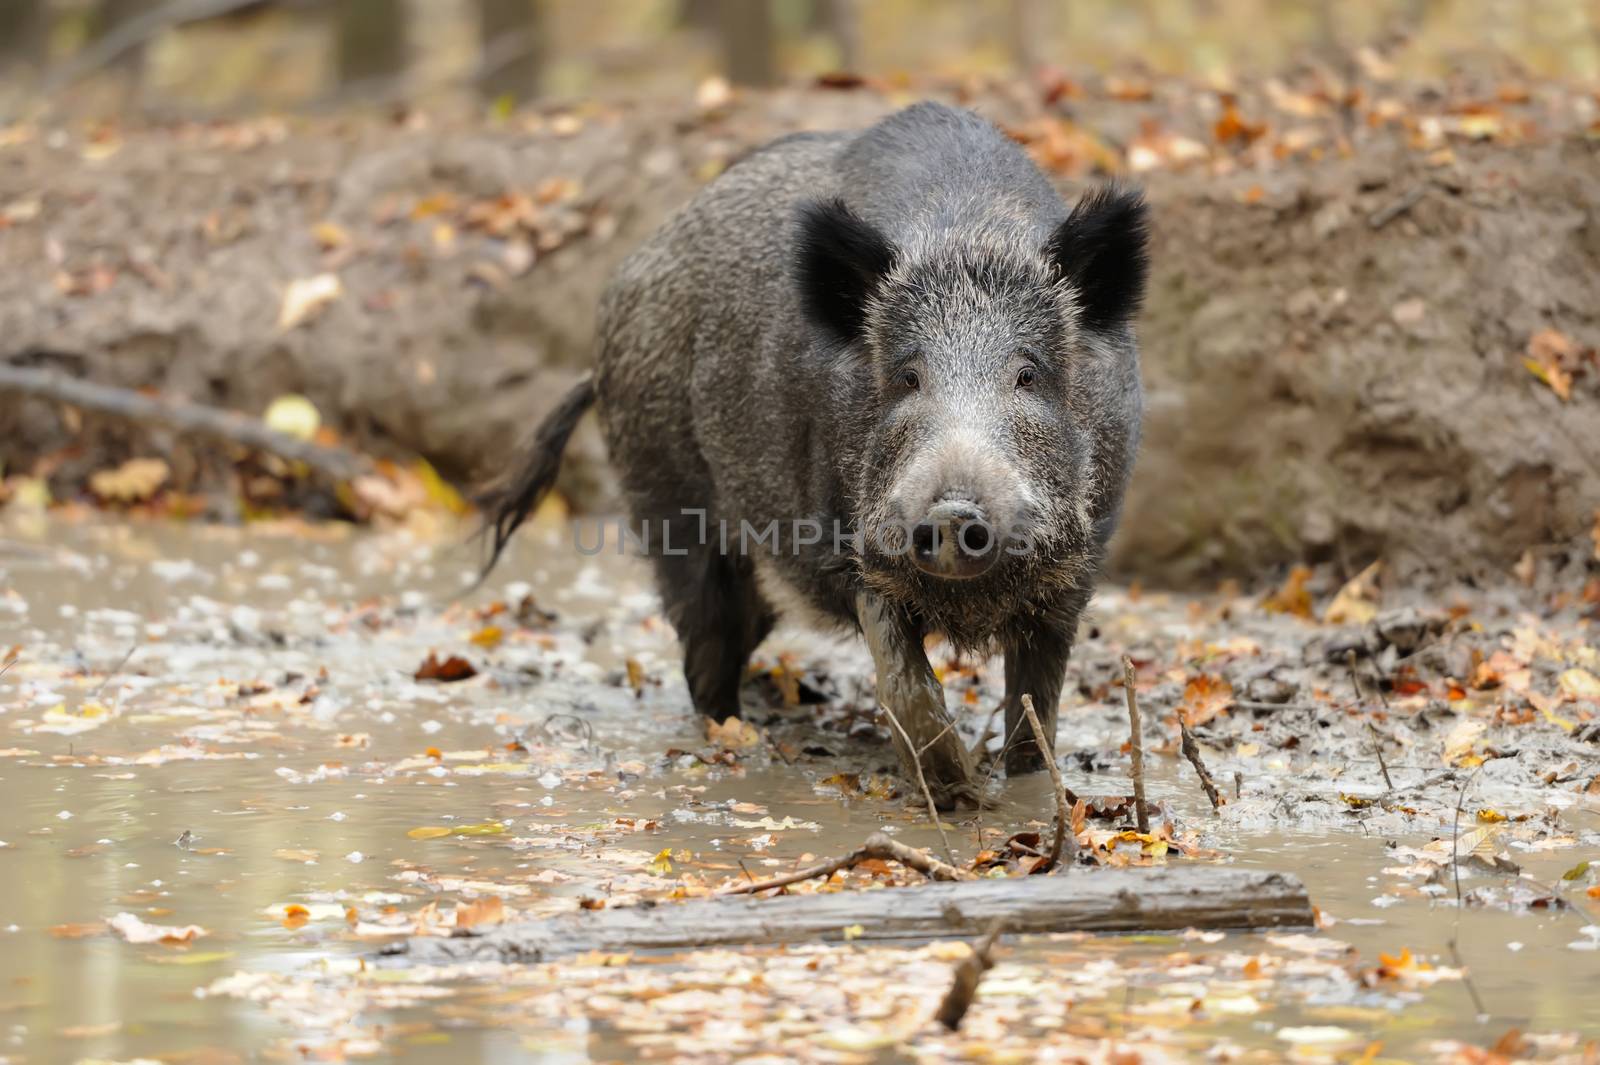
(841, 259)
(1100, 248)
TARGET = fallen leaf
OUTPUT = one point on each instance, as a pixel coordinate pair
(293, 415)
(490, 910)
(135, 481)
(1580, 684)
(306, 297)
(429, 832)
(132, 929)
(1357, 602)
(1204, 697)
(661, 864)
(77, 931)
(734, 733)
(1292, 597)
(452, 668)
(1551, 357)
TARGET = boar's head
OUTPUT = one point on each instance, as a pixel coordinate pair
(974, 364)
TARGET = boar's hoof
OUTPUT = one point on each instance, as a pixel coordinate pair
(954, 542)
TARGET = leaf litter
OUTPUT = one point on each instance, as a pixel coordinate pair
(279, 676)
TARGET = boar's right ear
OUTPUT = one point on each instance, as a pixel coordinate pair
(1100, 248)
(841, 259)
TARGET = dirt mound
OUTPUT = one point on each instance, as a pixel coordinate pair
(1334, 341)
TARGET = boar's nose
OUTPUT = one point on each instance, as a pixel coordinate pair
(954, 541)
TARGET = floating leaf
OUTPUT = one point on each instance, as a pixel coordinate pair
(1576, 872)
(487, 637)
(132, 929)
(488, 828)
(661, 864)
(490, 910)
(428, 832)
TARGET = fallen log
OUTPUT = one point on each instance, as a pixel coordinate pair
(1101, 900)
(181, 416)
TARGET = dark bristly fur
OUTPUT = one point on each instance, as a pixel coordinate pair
(863, 328)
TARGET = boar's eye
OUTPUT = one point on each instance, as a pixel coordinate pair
(1026, 377)
(910, 379)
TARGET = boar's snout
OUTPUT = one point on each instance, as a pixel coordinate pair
(954, 541)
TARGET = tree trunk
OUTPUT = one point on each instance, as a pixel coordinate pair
(1028, 27)
(24, 34)
(511, 46)
(113, 14)
(1082, 900)
(749, 43)
(842, 21)
(372, 40)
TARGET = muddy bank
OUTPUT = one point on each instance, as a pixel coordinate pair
(1343, 298)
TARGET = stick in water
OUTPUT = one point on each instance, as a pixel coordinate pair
(1137, 753)
(1063, 810)
(969, 970)
(1191, 751)
(916, 762)
(877, 846)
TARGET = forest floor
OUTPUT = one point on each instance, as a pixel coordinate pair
(232, 777)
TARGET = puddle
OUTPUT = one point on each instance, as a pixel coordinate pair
(265, 765)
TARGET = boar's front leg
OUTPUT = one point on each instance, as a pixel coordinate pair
(1035, 666)
(908, 689)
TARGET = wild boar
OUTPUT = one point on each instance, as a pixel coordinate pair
(884, 380)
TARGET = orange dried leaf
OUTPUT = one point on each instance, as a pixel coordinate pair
(1292, 597)
(489, 910)
(452, 668)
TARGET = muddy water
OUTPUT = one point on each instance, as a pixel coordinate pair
(265, 745)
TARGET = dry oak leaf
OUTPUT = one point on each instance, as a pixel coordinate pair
(452, 668)
(135, 481)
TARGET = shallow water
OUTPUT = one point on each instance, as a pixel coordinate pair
(268, 715)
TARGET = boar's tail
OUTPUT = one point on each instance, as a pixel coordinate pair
(508, 504)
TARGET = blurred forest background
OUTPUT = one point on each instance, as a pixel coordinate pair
(1371, 331)
(191, 56)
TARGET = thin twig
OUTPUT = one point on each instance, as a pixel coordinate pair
(1191, 751)
(181, 416)
(1377, 746)
(112, 672)
(916, 763)
(968, 972)
(1141, 811)
(877, 846)
(1455, 868)
(1395, 208)
(1063, 810)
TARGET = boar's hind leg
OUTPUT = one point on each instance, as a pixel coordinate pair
(712, 601)
(1035, 667)
(908, 688)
